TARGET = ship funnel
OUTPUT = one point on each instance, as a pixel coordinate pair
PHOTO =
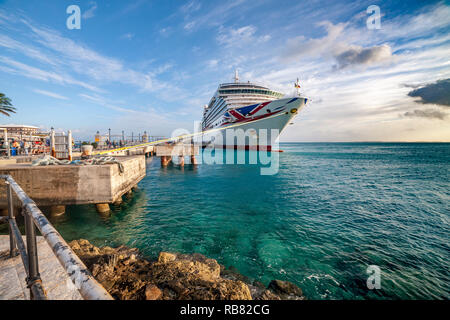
(236, 76)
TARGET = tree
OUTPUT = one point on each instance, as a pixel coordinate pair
(6, 106)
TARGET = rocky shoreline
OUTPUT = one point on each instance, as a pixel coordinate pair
(126, 275)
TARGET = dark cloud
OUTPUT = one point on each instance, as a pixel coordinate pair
(427, 113)
(408, 85)
(435, 93)
(363, 56)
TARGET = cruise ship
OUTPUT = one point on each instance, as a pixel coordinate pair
(260, 112)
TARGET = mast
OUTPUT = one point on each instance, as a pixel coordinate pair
(297, 86)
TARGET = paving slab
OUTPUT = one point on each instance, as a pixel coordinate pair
(55, 280)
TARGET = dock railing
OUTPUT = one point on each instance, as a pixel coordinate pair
(88, 287)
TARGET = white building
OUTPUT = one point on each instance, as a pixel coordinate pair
(18, 129)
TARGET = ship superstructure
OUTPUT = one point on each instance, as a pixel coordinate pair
(249, 106)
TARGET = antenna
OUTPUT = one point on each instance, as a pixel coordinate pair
(236, 76)
(297, 86)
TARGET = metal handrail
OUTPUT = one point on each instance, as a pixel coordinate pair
(88, 287)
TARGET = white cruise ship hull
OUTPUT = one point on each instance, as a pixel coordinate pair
(255, 130)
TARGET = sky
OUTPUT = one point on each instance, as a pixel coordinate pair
(152, 65)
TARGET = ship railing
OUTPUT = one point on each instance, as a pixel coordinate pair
(88, 287)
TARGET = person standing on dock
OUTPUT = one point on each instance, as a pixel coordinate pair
(15, 148)
(26, 147)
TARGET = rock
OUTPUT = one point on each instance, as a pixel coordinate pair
(152, 292)
(268, 295)
(285, 289)
(165, 257)
(126, 275)
(233, 274)
(259, 284)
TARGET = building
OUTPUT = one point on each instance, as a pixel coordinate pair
(16, 129)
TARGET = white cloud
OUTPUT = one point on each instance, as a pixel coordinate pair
(78, 61)
(191, 6)
(215, 16)
(25, 70)
(240, 37)
(127, 36)
(165, 32)
(27, 50)
(90, 12)
(103, 102)
(299, 47)
(212, 63)
(430, 19)
(50, 94)
(189, 26)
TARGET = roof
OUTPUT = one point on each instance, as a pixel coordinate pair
(17, 126)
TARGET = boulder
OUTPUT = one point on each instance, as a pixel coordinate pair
(165, 257)
(152, 292)
(286, 289)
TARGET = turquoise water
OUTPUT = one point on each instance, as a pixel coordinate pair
(332, 210)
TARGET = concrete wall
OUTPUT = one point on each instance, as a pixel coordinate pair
(72, 184)
(176, 150)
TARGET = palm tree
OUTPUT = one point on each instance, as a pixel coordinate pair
(5, 105)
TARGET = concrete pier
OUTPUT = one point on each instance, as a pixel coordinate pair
(75, 184)
(168, 151)
(55, 279)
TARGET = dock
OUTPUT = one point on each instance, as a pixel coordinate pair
(61, 185)
(40, 268)
(12, 274)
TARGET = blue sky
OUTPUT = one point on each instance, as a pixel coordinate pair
(151, 65)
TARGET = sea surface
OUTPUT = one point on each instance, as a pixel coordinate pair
(332, 210)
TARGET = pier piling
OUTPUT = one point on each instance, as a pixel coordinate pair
(118, 202)
(57, 210)
(165, 160)
(102, 207)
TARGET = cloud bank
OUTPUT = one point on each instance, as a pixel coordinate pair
(433, 93)
(356, 55)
